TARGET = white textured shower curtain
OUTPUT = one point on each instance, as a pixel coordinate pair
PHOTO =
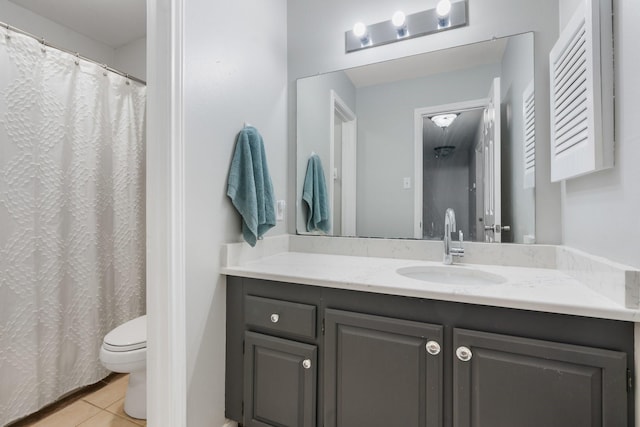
(72, 236)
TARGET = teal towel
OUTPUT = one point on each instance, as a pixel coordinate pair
(249, 185)
(314, 195)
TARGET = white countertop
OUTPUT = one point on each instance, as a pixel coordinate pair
(537, 289)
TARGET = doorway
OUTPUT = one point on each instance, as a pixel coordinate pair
(457, 165)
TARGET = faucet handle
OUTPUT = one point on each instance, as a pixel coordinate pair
(460, 237)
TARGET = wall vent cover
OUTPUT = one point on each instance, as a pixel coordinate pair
(581, 71)
(529, 139)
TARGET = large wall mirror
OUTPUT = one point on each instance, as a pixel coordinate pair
(401, 141)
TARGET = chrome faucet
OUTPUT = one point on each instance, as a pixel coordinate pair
(449, 227)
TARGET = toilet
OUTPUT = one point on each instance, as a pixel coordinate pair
(124, 349)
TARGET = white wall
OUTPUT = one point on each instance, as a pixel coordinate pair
(601, 211)
(316, 44)
(54, 33)
(132, 58)
(230, 77)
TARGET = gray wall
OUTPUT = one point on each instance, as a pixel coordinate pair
(518, 203)
(316, 44)
(446, 185)
(230, 77)
(386, 146)
(57, 34)
(601, 211)
(130, 58)
(313, 102)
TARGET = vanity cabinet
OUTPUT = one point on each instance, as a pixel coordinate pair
(381, 371)
(502, 380)
(340, 358)
(280, 382)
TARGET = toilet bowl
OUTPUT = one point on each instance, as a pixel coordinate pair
(124, 349)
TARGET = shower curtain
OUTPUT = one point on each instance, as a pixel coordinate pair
(72, 210)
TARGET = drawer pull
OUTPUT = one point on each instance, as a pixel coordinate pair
(274, 318)
(464, 353)
(433, 348)
(306, 363)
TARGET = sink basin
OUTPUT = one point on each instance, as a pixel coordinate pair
(451, 275)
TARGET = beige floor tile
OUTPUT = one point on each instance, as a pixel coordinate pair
(71, 415)
(118, 409)
(108, 394)
(107, 419)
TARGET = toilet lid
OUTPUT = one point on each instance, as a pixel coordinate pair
(131, 335)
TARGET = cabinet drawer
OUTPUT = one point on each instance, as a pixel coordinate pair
(278, 316)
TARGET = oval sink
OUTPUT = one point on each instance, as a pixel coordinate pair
(451, 275)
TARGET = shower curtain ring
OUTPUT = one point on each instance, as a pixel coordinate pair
(127, 77)
(43, 48)
(7, 35)
(77, 61)
(104, 73)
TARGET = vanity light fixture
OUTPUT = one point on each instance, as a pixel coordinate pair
(360, 31)
(443, 9)
(446, 15)
(399, 21)
(444, 120)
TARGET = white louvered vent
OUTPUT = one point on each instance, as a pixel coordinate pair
(581, 71)
(529, 114)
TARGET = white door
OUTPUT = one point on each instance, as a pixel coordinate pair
(491, 137)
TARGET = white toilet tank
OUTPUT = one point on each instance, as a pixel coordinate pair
(129, 336)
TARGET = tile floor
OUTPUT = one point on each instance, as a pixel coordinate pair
(99, 405)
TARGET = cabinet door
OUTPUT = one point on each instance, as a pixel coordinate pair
(378, 372)
(504, 381)
(280, 382)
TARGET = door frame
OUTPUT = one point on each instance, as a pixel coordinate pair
(166, 263)
(418, 115)
(348, 172)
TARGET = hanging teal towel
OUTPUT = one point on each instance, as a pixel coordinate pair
(249, 185)
(314, 195)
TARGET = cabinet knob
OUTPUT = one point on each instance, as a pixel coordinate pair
(306, 363)
(275, 317)
(464, 353)
(433, 348)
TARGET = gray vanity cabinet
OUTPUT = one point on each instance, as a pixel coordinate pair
(381, 372)
(279, 383)
(307, 356)
(502, 380)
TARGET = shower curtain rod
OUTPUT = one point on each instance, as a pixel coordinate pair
(76, 54)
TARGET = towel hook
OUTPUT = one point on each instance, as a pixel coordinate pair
(247, 124)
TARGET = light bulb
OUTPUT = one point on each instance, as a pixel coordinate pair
(359, 29)
(443, 8)
(399, 19)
